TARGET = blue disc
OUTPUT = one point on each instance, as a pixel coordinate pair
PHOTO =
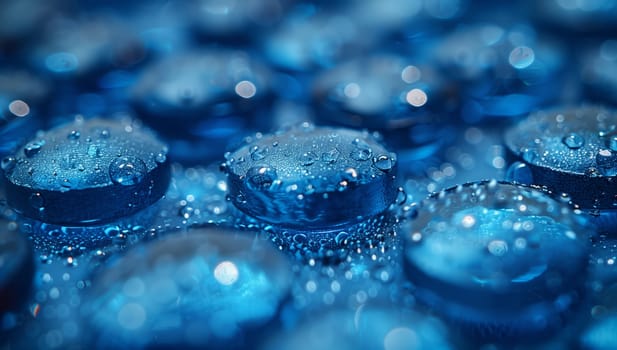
(390, 94)
(81, 49)
(202, 100)
(232, 21)
(568, 150)
(367, 328)
(502, 72)
(599, 73)
(16, 266)
(310, 176)
(87, 172)
(22, 97)
(210, 288)
(504, 262)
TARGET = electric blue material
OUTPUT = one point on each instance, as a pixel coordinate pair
(87, 172)
(366, 328)
(16, 267)
(402, 99)
(572, 151)
(310, 176)
(503, 72)
(22, 98)
(502, 262)
(201, 101)
(209, 288)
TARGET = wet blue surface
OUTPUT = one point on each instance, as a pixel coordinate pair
(501, 261)
(334, 120)
(207, 289)
(106, 169)
(312, 176)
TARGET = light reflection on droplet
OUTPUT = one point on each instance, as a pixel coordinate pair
(246, 89)
(521, 57)
(352, 90)
(226, 273)
(19, 108)
(416, 97)
(411, 74)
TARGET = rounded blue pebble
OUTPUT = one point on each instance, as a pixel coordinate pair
(568, 150)
(87, 172)
(211, 288)
(310, 176)
(505, 263)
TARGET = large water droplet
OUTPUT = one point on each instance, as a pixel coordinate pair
(127, 171)
(573, 141)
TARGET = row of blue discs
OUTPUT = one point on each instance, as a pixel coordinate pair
(282, 174)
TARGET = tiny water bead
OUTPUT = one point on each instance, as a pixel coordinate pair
(210, 287)
(112, 169)
(570, 150)
(202, 100)
(388, 93)
(16, 267)
(308, 176)
(503, 262)
(368, 327)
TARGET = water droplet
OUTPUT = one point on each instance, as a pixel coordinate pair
(519, 172)
(330, 156)
(32, 148)
(127, 171)
(258, 153)
(73, 135)
(160, 158)
(309, 158)
(606, 162)
(383, 163)
(362, 151)
(261, 177)
(8, 163)
(573, 141)
(36, 201)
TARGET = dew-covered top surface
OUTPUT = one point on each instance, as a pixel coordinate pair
(498, 237)
(196, 80)
(577, 140)
(307, 159)
(85, 154)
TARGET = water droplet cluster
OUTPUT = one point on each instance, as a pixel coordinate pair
(87, 172)
(562, 147)
(502, 260)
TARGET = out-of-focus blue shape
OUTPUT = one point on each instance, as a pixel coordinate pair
(505, 263)
(576, 16)
(201, 101)
(308, 176)
(84, 48)
(210, 288)
(234, 20)
(368, 327)
(599, 73)
(600, 334)
(16, 267)
(23, 97)
(405, 102)
(502, 72)
(87, 172)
